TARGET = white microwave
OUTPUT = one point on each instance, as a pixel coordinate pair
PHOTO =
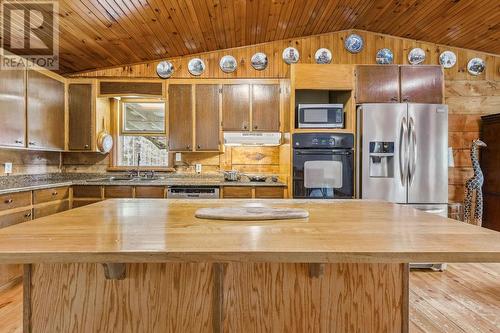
(320, 116)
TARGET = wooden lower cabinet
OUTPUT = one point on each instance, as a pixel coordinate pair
(153, 192)
(50, 194)
(257, 192)
(237, 192)
(15, 200)
(50, 209)
(269, 192)
(15, 218)
(84, 191)
(117, 191)
(80, 203)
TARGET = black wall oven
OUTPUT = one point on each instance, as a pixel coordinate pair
(323, 165)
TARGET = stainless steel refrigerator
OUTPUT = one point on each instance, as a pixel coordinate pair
(403, 150)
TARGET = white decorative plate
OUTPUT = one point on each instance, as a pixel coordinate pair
(354, 43)
(196, 66)
(228, 64)
(416, 56)
(290, 55)
(447, 59)
(323, 56)
(384, 56)
(259, 61)
(165, 69)
(476, 66)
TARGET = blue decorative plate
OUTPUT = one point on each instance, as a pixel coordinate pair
(476, 66)
(165, 69)
(291, 55)
(354, 43)
(385, 56)
(447, 59)
(323, 56)
(416, 56)
(196, 66)
(228, 64)
(259, 61)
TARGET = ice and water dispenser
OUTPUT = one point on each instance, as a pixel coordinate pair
(381, 159)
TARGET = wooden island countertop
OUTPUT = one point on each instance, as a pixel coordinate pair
(125, 231)
(151, 266)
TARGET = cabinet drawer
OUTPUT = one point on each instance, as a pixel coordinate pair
(50, 209)
(237, 192)
(9, 273)
(14, 200)
(118, 192)
(81, 203)
(150, 192)
(50, 194)
(83, 191)
(269, 192)
(15, 218)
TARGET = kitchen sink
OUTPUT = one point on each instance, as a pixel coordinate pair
(123, 179)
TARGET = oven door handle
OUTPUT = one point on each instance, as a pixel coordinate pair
(325, 153)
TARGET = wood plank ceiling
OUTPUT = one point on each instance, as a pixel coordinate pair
(103, 33)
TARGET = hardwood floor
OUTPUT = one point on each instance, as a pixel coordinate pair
(464, 298)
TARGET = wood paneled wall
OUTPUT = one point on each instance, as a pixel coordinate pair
(468, 96)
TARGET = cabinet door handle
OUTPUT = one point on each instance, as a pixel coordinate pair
(188, 147)
(19, 141)
(32, 143)
(27, 215)
(198, 147)
(406, 99)
(8, 201)
(255, 127)
(86, 146)
(54, 193)
(394, 99)
(245, 127)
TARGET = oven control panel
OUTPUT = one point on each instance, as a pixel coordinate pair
(323, 140)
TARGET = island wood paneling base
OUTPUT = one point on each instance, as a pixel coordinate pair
(217, 297)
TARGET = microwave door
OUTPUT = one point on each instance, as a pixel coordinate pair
(384, 158)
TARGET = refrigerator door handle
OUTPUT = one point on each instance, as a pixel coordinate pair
(412, 150)
(403, 158)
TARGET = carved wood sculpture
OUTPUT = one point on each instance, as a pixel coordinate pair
(474, 184)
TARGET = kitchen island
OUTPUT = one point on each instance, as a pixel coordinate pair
(151, 266)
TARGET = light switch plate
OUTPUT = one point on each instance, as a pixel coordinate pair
(178, 157)
(8, 168)
(197, 167)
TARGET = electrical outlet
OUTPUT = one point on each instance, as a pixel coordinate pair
(178, 157)
(8, 168)
(197, 167)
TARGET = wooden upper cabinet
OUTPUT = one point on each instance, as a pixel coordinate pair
(80, 116)
(180, 114)
(422, 84)
(207, 117)
(377, 84)
(265, 107)
(45, 104)
(12, 99)
(119, 88)
(236, 107)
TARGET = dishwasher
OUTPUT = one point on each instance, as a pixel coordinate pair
(193, 192)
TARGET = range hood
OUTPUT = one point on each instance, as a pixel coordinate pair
(252, 139)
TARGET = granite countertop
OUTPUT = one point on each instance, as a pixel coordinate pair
(11, 184)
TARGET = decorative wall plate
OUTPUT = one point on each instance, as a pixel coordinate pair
(228, 64)
(416, 56)
(384, 56)
(323, 56)
(259, 61)
(476, 66)
(447, 59)
(165, 69)
(290, 55)
(196, 66)
(104, 142)
(354, 43)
